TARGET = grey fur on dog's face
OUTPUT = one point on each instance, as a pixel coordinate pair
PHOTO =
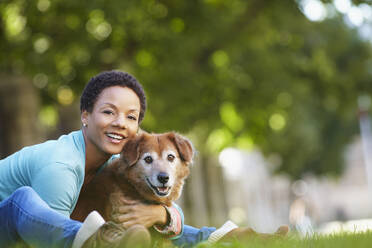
(157, 165)
(159, 170)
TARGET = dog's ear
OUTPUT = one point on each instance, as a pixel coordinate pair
(184, 147)
(131, 150)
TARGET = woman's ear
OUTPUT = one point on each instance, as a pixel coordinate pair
(84, 117)
(184, 147)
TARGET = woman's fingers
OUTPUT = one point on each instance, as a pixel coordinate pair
(128, 201)
(128, 220)
(132, 212)
(124, 209)
(121, 218)
(128, 224)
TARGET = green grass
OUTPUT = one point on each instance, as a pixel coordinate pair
(350, 240)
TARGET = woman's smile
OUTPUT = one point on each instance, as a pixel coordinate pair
(113, 120)
(115, 137)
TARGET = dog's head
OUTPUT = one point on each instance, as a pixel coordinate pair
(157, 165)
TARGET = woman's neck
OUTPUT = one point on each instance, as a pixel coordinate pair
(94, 159)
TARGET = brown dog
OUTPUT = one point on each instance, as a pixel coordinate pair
(151, 168)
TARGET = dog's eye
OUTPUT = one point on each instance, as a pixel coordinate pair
(148, 159)
(170, 157)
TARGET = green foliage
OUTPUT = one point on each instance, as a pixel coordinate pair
(242, 73)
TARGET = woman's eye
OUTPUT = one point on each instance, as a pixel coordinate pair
(148, 159)
(132, 117)
(109, 112)
(170, 157)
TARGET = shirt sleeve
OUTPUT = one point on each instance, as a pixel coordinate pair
(174, 228)
(57, 184)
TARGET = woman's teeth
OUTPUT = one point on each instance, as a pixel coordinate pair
(115, 136)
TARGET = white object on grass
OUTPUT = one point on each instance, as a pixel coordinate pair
(222, 231)
(90, 225)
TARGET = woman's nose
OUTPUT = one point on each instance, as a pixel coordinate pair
(120, 121)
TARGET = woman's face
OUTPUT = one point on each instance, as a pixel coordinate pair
(113, 120)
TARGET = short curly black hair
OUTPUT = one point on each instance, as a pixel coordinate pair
(107, 79)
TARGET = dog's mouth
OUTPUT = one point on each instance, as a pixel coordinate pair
(160, 191)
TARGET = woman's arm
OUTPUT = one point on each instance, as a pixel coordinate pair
(192, 236)
(132, 213)
(57, 185)
(166, 220)
(169, 222)
(175, 220)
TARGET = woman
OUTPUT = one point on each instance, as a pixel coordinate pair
(40, 184)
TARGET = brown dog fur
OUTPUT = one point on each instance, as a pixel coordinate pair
(129, 175)
(126, 177)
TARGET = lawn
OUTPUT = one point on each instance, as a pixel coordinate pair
(354, 240)
(349, 240)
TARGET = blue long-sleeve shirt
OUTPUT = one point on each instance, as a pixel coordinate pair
(54, 169)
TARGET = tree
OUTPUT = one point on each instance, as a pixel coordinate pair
(244, 73)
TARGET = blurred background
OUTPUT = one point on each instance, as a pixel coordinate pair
(273, 94)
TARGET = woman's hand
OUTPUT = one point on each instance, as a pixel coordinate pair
(131, 212)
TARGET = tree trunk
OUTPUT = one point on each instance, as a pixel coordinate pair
(19, 109)
(193, 200)
(203, 200)
(216, 200)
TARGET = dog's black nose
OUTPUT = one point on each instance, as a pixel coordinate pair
(163, 177)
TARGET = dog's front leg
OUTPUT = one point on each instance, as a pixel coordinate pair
(112, 208)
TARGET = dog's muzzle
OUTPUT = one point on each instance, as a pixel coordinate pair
(163, 190)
